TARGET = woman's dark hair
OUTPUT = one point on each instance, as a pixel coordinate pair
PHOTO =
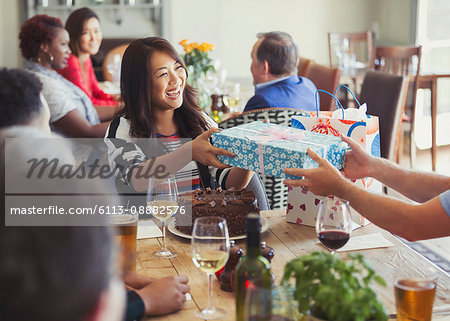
(75, 24)
(36, 31)
(135, 87)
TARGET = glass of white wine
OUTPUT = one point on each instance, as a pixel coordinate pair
(162, 200)
(210, 251)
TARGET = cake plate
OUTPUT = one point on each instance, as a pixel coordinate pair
(172, 229)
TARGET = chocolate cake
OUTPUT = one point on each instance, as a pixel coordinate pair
(231, 204)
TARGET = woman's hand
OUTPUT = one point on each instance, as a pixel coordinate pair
(324, 180)
(205, 153)
(358, 163)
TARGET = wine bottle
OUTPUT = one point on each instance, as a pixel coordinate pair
(253, 270)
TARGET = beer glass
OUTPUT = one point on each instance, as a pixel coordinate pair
(414, 288)
(125, 230)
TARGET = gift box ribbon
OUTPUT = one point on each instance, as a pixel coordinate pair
(275, 134)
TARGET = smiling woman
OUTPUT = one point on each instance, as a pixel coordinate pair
(158, 103)
(45, 44)
(85, 33)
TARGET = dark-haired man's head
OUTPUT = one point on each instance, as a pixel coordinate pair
(274, 55)
(59, 273)
(21, 102)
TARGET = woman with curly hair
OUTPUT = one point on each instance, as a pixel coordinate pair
(85, 34)
(44, 44)
(158, 103)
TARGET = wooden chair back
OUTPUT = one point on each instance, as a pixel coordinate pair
(325, 78)
(303, 66)
(397, 60)
(109, 59)
(360, 44)
(385, 95)
(402, 61)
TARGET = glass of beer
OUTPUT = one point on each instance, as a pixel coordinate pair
(125, 229)
(415, 288)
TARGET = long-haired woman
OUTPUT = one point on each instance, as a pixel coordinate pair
(85, 34)
(158, 103)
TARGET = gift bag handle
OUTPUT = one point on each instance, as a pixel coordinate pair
(338, 103)
(351, 92)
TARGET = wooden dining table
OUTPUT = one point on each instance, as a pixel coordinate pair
(288, 241)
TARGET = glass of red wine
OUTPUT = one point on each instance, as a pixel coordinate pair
(333, 223)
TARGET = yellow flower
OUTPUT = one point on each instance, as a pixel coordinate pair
(204, 47)
(194, 45)
(184, 42)
(188, 48)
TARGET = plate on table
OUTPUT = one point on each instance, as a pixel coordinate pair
(172, 229)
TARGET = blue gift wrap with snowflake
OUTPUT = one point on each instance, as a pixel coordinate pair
(269, 148)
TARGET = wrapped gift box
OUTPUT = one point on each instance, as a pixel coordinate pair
(268, 148)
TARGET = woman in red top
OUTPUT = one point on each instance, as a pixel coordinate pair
(85, 38)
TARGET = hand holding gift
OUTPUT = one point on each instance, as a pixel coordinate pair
(326, 180)
(205, 153)
(357, 161)
(323, 180)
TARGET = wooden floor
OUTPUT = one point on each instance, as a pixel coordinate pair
(440, 247)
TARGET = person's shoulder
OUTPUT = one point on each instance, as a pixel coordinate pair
(118, 128)
(73, 60)
(307, 83)
(256, 102)
(51, 85)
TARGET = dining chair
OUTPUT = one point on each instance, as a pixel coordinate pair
(325, 78)
(109, 59)
(385, 96)
(358, 45)
(303, 66)
(275, 190)
(402, 61)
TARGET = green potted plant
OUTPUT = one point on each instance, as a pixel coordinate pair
(330, 288)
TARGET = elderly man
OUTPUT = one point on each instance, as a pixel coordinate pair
(274, 70)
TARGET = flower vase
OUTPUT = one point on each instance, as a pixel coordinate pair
(204, 100)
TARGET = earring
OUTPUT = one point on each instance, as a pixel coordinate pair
(51, 57)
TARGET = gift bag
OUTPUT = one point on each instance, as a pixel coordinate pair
(303, 205)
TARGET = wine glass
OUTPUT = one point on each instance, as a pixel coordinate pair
(210, 250)
(162, 201)
(341, 49)
(231, 95)
(333, 223)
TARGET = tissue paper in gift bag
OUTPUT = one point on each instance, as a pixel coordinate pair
(268, 148)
